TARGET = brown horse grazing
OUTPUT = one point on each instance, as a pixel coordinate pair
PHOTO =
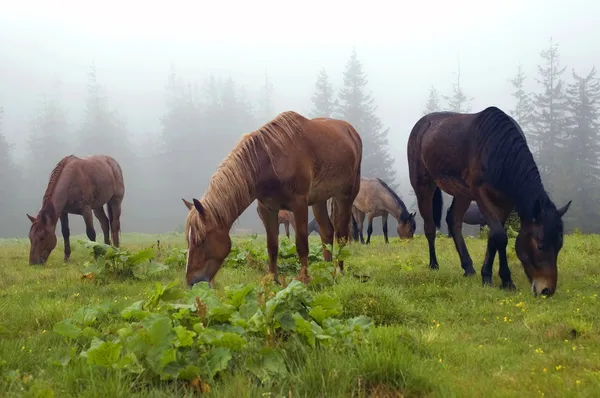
(375, 199)
(290, 163)
(78, 186)
(286, 218)
(484, 157)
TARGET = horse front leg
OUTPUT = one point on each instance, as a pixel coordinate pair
(300, 209)
(66, 233)
(425, 201)
(384, 225)
(459, 207)
(271, 223)
(369, 227)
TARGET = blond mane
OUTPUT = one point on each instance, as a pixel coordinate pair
(54, 176)
(232, 186)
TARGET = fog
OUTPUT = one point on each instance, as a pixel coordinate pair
(404, 50)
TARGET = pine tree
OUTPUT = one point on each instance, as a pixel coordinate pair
(49, 139)
(523, 110)
(356, 106)
(9, 186)
(265, 103)
(583, 97)
(102, 130)
(433, 102)
(550, 118)
(458, 101)
(323, 100)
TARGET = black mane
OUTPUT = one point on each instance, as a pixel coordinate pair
(404, 214)
(509, 167)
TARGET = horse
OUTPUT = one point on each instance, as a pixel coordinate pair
(286, 218)
(484, 157)
(376, 199)
(472, 217)
(289, 163)
(79, 186)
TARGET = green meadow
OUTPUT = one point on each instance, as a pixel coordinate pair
(127, 326)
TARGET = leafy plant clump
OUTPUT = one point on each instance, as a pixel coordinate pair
(194, 335)
(120, 263)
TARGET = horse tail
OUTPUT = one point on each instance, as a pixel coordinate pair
(110, 215)
(438, 203)
(354, 227)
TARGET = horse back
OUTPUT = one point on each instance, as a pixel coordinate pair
(98, 177)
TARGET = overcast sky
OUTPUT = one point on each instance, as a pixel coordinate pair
(405, 49)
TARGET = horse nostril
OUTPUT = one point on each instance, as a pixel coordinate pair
(545, 291)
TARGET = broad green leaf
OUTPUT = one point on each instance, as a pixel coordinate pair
(189, 372)
(103, 353)
(135, 310)
(159, 328)
(85, 316)
(185, 338)
(218, 359)
(67, 328)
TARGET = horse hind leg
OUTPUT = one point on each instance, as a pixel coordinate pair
(325, 228)
(429, 198)
(66, 233)
(384, 226)
(343, 209)
(114, 217)
(459, 207)
(104, 223)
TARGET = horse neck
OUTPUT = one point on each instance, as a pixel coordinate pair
(56, 199)
(234, 203)
(391, 206)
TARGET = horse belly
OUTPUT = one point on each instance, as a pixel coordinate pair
(454, 188)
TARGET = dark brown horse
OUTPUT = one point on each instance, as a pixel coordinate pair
(290, 163)
(286, 218)
(78, 186)
(376, 199)
(484, 157)
(472, 217)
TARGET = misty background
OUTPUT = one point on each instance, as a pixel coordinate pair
(168, 90)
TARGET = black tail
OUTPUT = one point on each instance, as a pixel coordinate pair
(438, 203)
(354, 228)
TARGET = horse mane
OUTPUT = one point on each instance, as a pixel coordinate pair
(233, 184)
(404, 214)
(509, 165)
(54, 177)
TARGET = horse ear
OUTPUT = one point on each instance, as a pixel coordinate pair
(563, 210)
(187, 204)
(413, 214)
(199, 207)
(30, 218)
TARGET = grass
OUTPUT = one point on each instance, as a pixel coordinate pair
(437, 334)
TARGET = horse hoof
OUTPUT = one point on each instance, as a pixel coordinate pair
(508, 286)
(469, 272)
(434, 267)
(486, 281)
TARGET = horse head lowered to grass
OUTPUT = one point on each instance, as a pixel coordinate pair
(484, 157)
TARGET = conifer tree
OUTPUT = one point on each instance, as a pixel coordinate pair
(583, 150)
(10, 193)
(458, 101)
(433, 102)
(550, 118)
(523, 110)
(323, 100)
(356, 106)
(265, 103)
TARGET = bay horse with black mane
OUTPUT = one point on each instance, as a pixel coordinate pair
(484, 157)
(377, 199)
(78, 186)
(472, 217)
(289, 163)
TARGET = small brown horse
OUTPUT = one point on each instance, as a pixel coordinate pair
(286, 218)
(78, 186)
(377, 199)
(484, 157)
(290, 163)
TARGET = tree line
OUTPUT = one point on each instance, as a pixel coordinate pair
(202, 122)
